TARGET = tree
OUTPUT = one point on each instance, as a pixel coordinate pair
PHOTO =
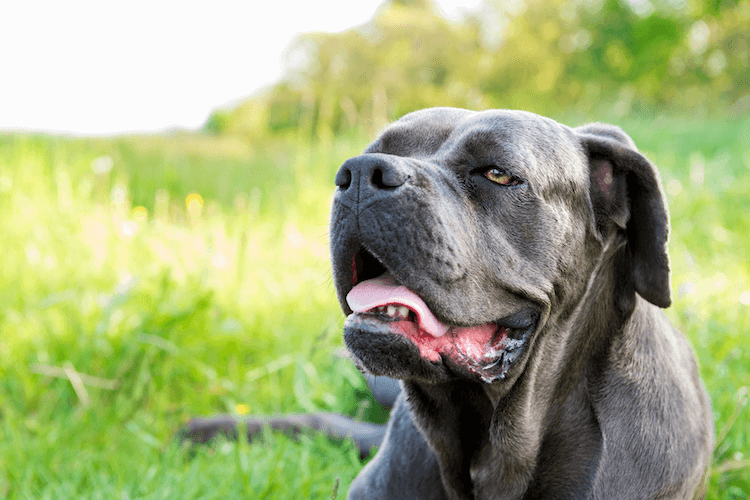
(541, 55)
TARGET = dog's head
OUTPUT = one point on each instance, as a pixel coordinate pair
(458, 235)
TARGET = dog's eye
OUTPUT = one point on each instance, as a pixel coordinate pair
(499, 177)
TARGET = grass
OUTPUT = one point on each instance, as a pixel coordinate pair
(146, 280)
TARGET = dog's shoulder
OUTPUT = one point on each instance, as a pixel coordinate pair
(651, 385)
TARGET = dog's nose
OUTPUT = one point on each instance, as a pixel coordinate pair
(371, 171)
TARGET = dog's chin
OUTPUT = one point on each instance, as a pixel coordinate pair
(382, 346)
(378, 351)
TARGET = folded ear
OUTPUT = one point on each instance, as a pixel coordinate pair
(626, 195)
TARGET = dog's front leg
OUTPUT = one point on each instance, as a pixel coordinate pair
(404, 467)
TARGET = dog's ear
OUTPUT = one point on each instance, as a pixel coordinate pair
(626, 195)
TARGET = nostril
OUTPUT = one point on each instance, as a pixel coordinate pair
(377, 172)
(343, 178)
(377, 178)
(388, 178)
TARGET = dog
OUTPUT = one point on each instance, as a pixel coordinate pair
(511, 272)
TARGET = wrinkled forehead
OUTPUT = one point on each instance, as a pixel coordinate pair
(532, 146)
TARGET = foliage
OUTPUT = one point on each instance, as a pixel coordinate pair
(147, 280)
(547, 56)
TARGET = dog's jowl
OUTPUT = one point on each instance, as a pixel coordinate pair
(511, 272)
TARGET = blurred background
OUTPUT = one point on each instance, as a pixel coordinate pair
(614, 57)
(166, 171)
(92, 68)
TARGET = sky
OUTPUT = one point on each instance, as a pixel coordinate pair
(101, 67)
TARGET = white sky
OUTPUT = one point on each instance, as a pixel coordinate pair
(98, 67)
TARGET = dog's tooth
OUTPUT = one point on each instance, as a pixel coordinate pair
(391, 310)
(403, 311)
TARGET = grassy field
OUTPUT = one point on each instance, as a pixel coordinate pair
(146, 280)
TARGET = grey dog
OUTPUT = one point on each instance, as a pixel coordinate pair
(511, 272)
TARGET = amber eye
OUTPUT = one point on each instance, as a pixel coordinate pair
(499, 177)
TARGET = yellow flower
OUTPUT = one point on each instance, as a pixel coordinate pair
(139, 214)
(194, 204)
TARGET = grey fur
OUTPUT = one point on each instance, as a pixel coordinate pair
(604, 399)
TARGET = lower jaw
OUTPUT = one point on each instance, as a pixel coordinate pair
(494, 364)
(383, 353)
(382, 346)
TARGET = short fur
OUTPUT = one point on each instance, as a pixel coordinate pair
(605, 400)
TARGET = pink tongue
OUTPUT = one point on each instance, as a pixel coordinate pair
(383, 290)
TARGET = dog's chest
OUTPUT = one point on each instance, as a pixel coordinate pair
(487, 478)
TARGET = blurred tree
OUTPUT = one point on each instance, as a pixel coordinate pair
(543, 55)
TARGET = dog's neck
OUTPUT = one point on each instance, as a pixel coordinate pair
(517, 421)
(603, 312)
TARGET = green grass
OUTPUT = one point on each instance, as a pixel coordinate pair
(123, 313)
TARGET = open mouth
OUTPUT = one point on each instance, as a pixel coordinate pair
(380, 303)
